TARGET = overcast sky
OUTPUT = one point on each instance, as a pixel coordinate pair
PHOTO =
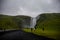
(29, 7)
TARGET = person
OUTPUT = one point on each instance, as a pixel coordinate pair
(31, 29)
(43, 29)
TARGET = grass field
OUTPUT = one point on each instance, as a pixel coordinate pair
(47, 33)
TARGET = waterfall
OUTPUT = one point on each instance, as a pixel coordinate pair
(33, 21)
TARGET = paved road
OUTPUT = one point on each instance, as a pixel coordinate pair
(21, 35)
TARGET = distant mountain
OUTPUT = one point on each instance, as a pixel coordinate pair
(49, 21)
(13, 22)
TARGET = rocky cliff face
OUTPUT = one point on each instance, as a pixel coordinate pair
(20, 20)
(49, 21)
(13, 22)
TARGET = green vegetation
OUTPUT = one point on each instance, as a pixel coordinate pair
(50, 23)
(12, 22)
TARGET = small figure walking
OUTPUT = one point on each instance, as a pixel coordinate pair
(31, 29)
(43, 29)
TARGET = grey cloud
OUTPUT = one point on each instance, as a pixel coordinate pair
(30, 7)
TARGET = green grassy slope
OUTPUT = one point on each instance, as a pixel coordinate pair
(50, 23)
(11, 22)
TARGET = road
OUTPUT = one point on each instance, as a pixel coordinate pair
(21, 35)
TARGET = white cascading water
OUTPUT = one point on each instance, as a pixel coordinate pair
(32, 22)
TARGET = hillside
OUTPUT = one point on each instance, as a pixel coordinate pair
(48, 21)
(13, 22)
(48, 25)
